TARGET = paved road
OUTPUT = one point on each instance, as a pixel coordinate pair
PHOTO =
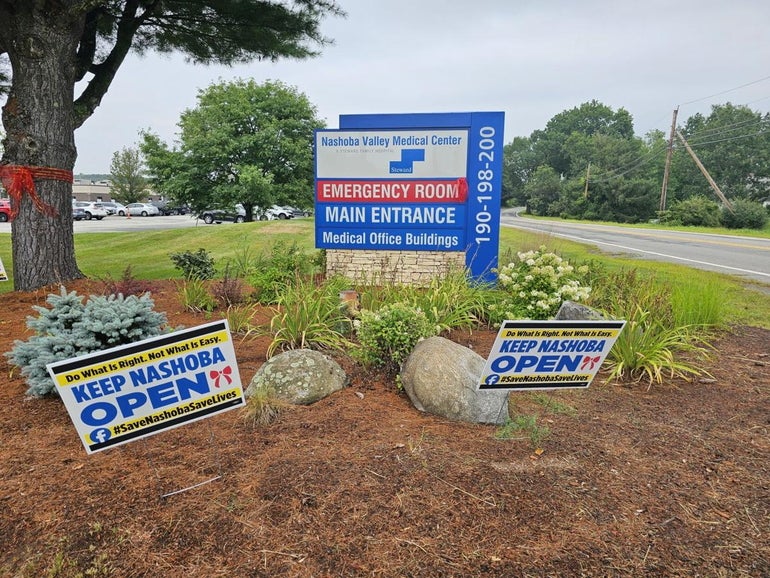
(747, 257)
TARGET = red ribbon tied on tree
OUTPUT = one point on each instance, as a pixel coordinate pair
(224, 374)
(18, 180)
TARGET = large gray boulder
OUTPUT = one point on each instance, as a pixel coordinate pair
(299, 376)
(571, 311)
(440, 377)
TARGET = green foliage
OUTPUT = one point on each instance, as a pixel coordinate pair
(647, 349)
(276, 268)
(70, 328)
(194, 296)
(745, 215)
(656, 339)
(244, 143)
(450, 301)
(239, 319)
(198, 265)
(388, 335)
(526, 424)
(127, 181)
(542, 190)
(733, 143)
(622, 292)
(696, 211)
(698, 303)
(536, 286)
(309, 316)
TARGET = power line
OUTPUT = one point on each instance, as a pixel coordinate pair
(726, 91)
(698, 144)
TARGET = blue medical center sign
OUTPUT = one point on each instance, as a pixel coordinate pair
(412, 182)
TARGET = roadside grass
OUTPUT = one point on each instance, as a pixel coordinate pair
(742, 302)
(147, 252)
(764, 232)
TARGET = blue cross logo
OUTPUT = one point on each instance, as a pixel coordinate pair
(408, 158)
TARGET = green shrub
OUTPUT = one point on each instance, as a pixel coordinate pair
(70, 328)
(745, 215)
(537, 285)
(275, 269)
(696, 211)
(198, 265)
(387, 336)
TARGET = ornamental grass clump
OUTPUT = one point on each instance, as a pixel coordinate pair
(537, 285)
(71, 328)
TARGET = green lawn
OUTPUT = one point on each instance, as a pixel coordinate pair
(108, 254)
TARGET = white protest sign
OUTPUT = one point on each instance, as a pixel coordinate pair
(132, 391)
(548, 354)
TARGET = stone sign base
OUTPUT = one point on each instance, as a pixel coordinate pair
(415, 268)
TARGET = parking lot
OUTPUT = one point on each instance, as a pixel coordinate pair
(115, 224)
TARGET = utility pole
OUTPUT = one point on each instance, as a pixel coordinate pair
(588, 174)
(667, 168)
(705, 173)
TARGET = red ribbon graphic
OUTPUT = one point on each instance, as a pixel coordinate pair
(224, 374)
(590, 362)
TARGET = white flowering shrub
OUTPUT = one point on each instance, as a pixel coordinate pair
(536, 285)
(70, 328)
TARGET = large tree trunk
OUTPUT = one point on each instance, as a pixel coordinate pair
(38, 119)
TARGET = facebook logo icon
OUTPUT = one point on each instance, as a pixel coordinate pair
(408, 158)
(100, 435)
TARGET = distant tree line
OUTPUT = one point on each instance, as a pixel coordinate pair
(587, 164)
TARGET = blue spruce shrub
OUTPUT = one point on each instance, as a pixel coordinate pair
(70, 328)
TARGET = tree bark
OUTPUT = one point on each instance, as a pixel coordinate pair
(38, 119)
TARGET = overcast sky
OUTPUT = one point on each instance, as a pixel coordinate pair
(531, 59)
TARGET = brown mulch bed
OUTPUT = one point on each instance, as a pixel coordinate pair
(673, 480)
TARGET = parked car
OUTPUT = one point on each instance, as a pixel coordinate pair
(78, 213)
(114, 208)
(142, 210)
(298, 213)
(171, 208)
(93, 210)
(237, 215)
(282, 212)
(5, 210)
